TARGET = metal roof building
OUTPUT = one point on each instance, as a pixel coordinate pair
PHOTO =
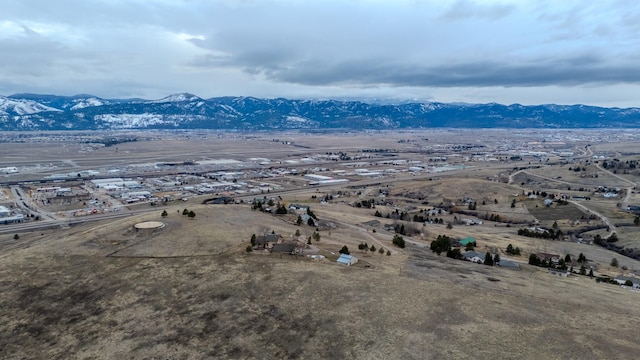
(348, 260)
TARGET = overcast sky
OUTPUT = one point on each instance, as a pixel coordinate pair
(527, 52)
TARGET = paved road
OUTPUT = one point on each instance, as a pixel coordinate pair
(62, 223)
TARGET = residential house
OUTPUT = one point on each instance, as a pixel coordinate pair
(549, 258)
(297, 207)
(288, 247)
(558, 272)
(267, 241)
(474, 257)
(466, 241)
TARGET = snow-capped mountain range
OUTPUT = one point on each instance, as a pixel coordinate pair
(187, 111)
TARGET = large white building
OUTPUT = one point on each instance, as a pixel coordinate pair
(4, 211)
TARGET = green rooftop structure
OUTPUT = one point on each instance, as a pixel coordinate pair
(466, 241)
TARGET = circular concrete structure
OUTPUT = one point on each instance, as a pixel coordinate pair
(149, 225)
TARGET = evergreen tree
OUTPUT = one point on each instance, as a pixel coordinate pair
(582, 258)
(344, 250)
(488, 259)
(583, 270)
(496, 259)
(398, 241)
(253, 240)
(534, 260)
(164, 213)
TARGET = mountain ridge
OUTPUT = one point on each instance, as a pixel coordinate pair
(27, 112)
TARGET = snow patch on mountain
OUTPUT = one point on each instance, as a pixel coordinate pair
(88, 102)
(22, 107)
(297, 119)
(129, 121)
(177, 98)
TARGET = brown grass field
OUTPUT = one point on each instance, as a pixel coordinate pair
(190, 290)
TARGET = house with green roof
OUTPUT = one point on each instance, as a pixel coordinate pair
(466, 241)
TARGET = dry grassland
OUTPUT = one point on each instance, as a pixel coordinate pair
(190, 291)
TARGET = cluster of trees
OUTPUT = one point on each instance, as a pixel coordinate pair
(189, 213)
(454, 254)
(546, 234)
(398, 241)
(257, 205)
(513, 250)
(365, 247)
(376, 150)
(601, 241)
(563, 264)
(608, 243)
(441, 244)
(536, 261)
(281, 209)
(311, 221)
(616, 164)
(369, 204)
(315, 236)
(491, 260)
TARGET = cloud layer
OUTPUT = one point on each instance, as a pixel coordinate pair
(474, 51)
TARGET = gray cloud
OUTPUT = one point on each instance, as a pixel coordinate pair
(149, 48)
(462, 9)
(568, 72)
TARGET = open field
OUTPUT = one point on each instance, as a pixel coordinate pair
(560, 212)
(97, 287)
(183, 293)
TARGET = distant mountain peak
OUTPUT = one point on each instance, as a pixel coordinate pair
(180, 97)
(247, 113)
